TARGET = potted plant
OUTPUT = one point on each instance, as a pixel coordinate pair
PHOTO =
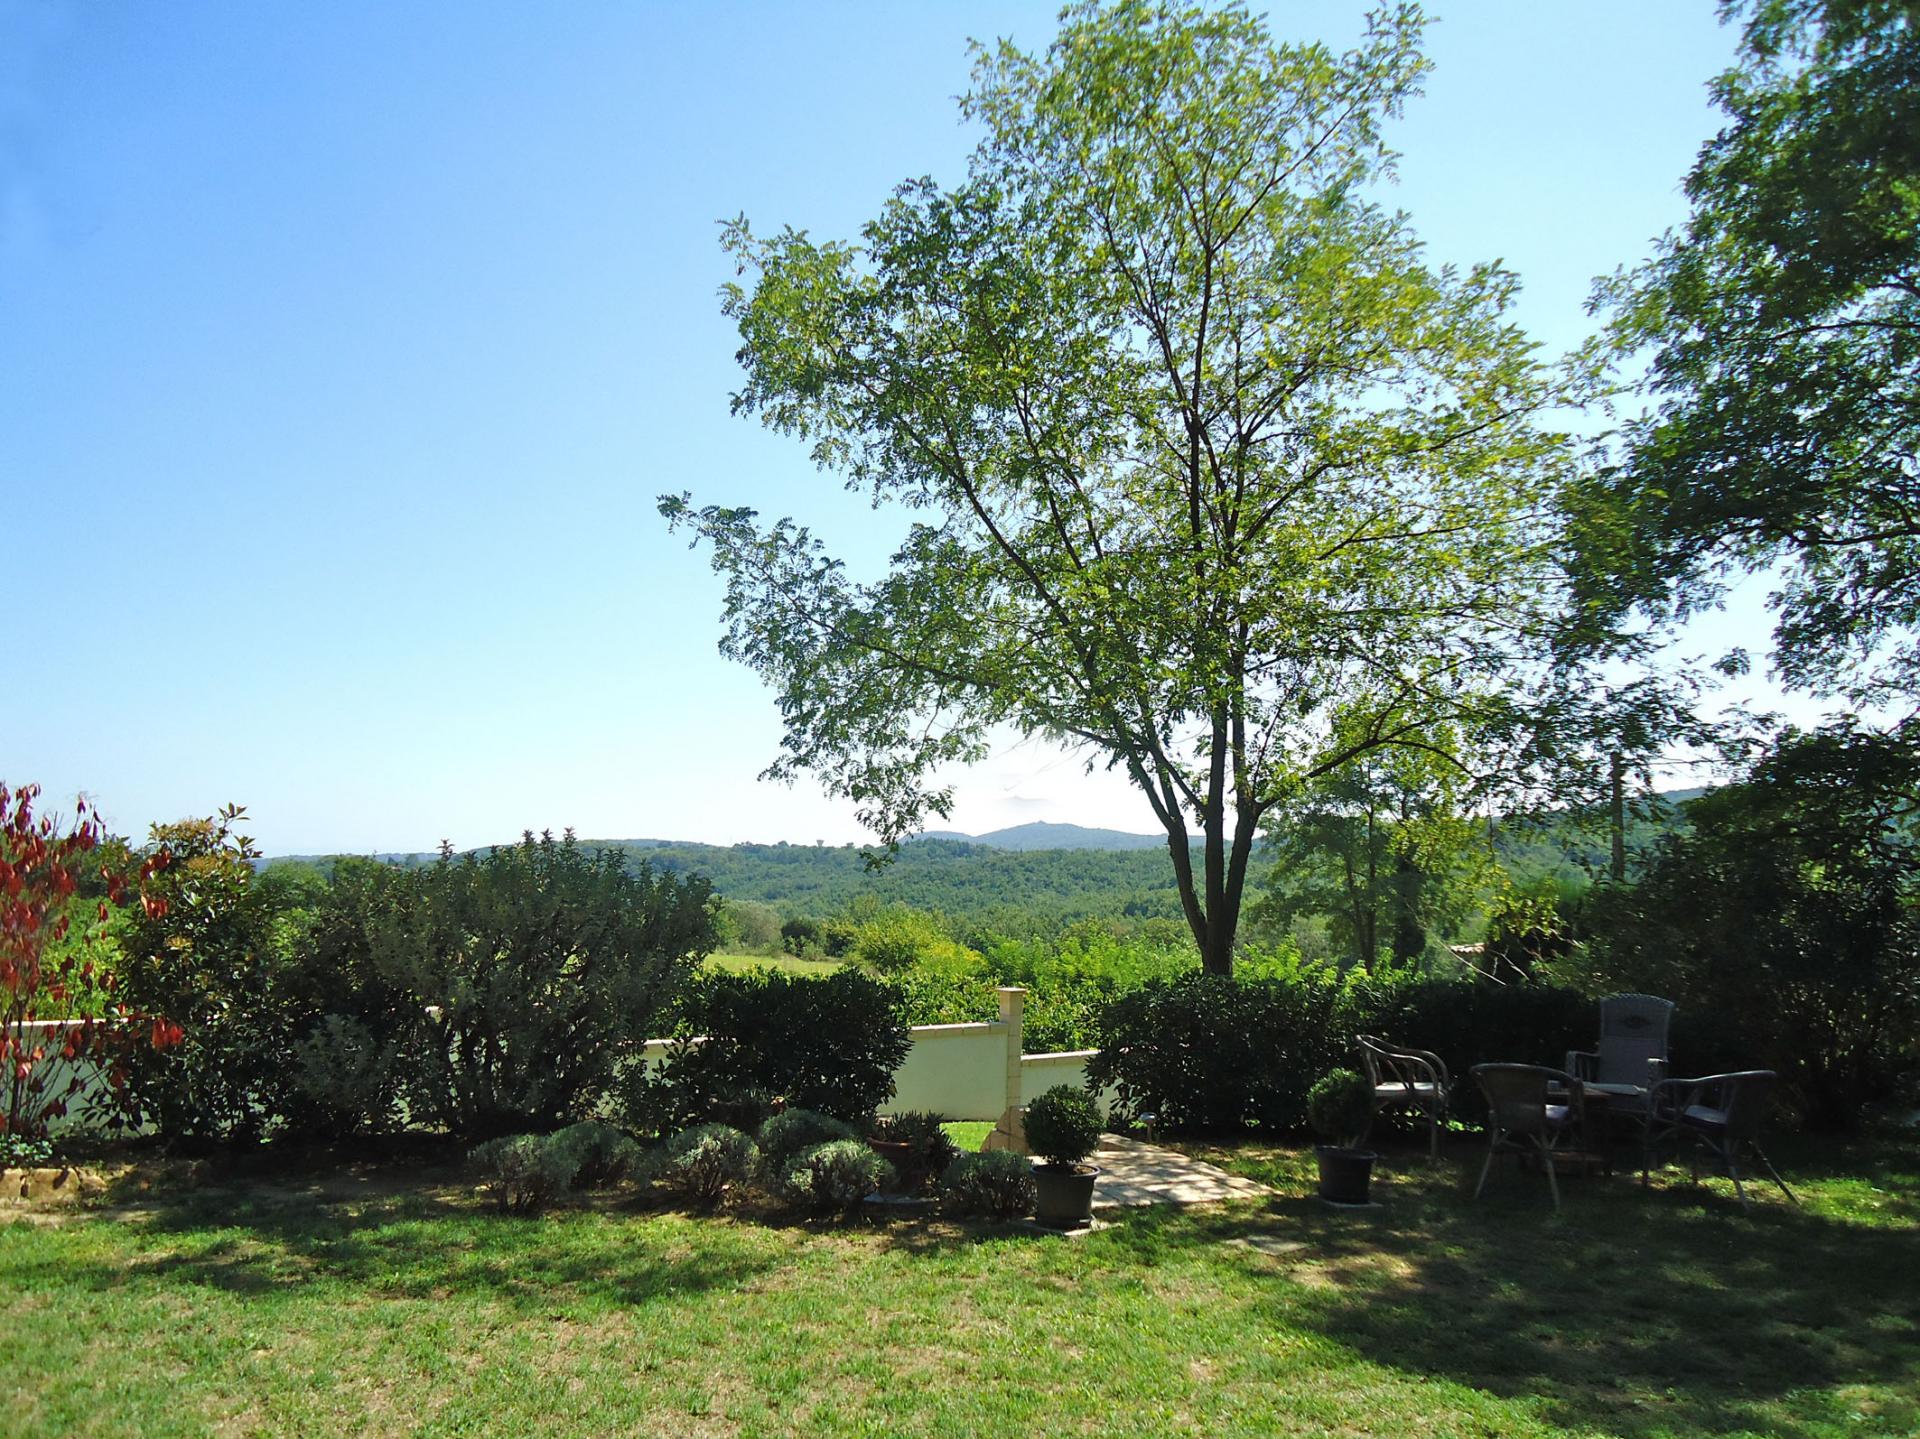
(1063, 1127)
(917, 1146)
(1340, 1107)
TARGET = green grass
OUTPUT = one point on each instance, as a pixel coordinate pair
(786, 964)
(969, 1134)
(383, 1301)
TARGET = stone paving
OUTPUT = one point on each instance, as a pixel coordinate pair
(1132, 1173)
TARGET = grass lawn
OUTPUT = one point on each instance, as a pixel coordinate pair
(391, 1302)
(786, 964)
(969, 1134)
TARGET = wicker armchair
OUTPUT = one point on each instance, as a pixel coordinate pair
(1522, 1120)
(1411, 1079)
(1633, 1042)
(1721, 1114)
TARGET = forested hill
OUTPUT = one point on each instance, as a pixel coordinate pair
(997, 878)
(954, 876)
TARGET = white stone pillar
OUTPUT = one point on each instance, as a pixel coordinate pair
(1010, 1132)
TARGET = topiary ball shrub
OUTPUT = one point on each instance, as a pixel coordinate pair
(786, 1136)
(701, 1164)
(998, 1184)
(832, 1178)
(601, 1153)
(1063, 1125)
(1339, 1106)
(524, 1173)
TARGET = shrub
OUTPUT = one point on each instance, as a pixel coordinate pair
(833, 1177)
(210, 952)
(900, 939)
(19, 1151)
(1340, 1105)
(930, 1149)
(800, 936)
(701, 1164)
(47, 971)
(1786, 923)
(601, 1154)
(524, 1172)
(996, 1185)
(829, 1043)
(786, 1136)
(1063, 1125)
(543, 969)
(347, 1078)
(1214, 1054)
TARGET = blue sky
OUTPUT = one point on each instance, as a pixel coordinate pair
(344, 349)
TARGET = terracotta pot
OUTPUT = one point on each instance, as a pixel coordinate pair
(1064, 1194)
(899, 1154)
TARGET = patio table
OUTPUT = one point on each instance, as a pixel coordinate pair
(1611, 1110)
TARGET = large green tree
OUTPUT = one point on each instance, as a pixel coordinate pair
(1384, 853)
(1209, 471)
(1783, 329)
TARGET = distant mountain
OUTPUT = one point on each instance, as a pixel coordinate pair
(1026, 837)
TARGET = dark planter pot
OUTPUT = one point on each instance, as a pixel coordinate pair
(899, 1154)
(1346, 1175)
(1063, 1196)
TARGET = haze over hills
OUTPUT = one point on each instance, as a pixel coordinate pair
(1041, 835)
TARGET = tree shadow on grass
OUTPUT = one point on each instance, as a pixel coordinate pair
(392, 1239)
(1635, 1311)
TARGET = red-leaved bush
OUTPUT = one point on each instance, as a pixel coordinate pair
(58, 1017)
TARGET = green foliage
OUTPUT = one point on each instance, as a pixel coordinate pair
(1339, 1105)
(1068, 978)
(347, 1079)
(1527, 929)
(790, 1133)
(829, 1043)
(1063, 1125)
(747, 926)
(210, 953)
(524, 1173)
(817, 886)
(25, 1151)
(901, 939)
(1216, 1055)
(1210, 471)
(1784, 328)
(994, 1185)
(46, 970)
(930, 1148)
(1383, 851)
(833, 1177)
(600, 1154)
(1210, 1053)
(542, 969)
(699, 1165)
(1790, 915)
(487, 995)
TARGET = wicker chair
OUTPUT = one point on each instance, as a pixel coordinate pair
(1410, 1079)
(1721, 1114)
(1521, 1120)
(1633, 1042)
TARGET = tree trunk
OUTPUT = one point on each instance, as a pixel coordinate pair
(1409, 934)
(1619, 818)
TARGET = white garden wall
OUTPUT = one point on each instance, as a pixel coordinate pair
(971, 1071)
